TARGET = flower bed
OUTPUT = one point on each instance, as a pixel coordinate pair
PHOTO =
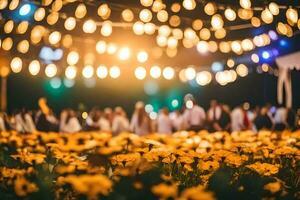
(185, 165)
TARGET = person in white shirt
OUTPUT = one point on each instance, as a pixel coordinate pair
(93, 120)
(239, 119)
(24, 122)
(70, 122)
(106, 120)
(120, 122)
(194, 116)
(164, 123)
(178, 121)
(140, 122)
(280, 119)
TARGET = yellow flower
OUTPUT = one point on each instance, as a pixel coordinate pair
(165, 191)
(195, 193)
(273, 187)
(265, 169)
(24, 187)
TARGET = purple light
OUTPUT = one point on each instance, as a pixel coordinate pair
(273, 35)
(275, 52)
(266, 55)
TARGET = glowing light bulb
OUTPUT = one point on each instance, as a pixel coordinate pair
(190, 73)
(72, 58)
(189, 4)
(168, 73)
(140, 73)
(242, 70)
(89, 26)
(101, 47)
(70, 23)
(54, 37)
(230, 14)
(16, 65)
(106, 29)
(51, 70)
(217, 21)
(145, 15)
(102, 72)
(124, 53)
(25, 9)
(88, 71)
(203, 78)
(142, 56)
(114, 72)
(34, 67)
(71, 72)
(246, 4)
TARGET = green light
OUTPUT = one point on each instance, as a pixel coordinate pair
(55, 83)
(175, 103)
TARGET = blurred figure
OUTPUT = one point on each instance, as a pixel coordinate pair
(213, 116)
(140, 122)
(4, 122)
(280, 119)
(106, 120)
(120, 122)
(93, 120)
(224, 122)
(239, 119)
(262, 120)
(164, 123)
(177, 121)
(291, 119)
(45, 120)
(194, 115)
(69, 122)
(24, 122)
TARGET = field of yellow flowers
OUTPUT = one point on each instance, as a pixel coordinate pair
(184, 166)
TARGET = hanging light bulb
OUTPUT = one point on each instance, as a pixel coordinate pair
(71, 72)
(51, 70)
(70, 23)
(242, 70)
(34, 67)
(217, 21)
(80, 11)
(16, 65)
(168, 73)
(22, 27)
(210, 8)
(8, 26)
(138, 28)
(146, 3)
(114, 72)
(127, 15)
(162, 16)
(39, 14)
(274, 8)
(23, 46)
(142, 56)
(104, 11)
(89, 26)
(230, 14)
(124, 53)
(267, 16)
(203, 78)
(106, 29)
(140, 73)
(149, 28)
(111, 48)
(88, 71)
(73, 58)
(292, 15)
(54, 37)
(102, 71)
(246, 4)
(202, 47)
(101, 47)
(189, 4)
(190, 73)
(155, 72)
(145, 15)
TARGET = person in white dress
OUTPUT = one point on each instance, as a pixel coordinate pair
(178, 121)
(106, 120)
(69, 122)
(120, 122)
(164, 123)
(24, 122)
(140, 122)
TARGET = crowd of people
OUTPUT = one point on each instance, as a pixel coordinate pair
(219, 117)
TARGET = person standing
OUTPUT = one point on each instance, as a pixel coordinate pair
(213, 116)
(262, 120)
(239, 119)
(120, 122)
(194, 115)
(280, 119)
(70, 122)
(140, 122)
(164, 123)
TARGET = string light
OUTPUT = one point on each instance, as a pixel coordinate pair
(102, 71)
(124, 53)
(89, 26)
(23, 46)
(114, 72)
(230, 14)
(145, 15)
(267, 16)
(203, 78)
(162, 16)
(138, 28)
(149, 28)
(140, 73)
(25, 9)
(210, 8)
(88, 71)
(7, 44)
(155, 72)
(274, 8)
(246, 4)
(111, 48)
(255, 58)
(73, 58)
(190, 73)
(8, 26)
(80, 11)
(71, 72)
(51, 70)
(217, 21)
(22, 27)
(106, 29)
(202, 47)
(189, 4)
(16, 65)
(230, 63)
(292, 15)
(142, 56)
(101, 47)
(127, 15)
(54, 37)
(104, 11)
(146, 3)
(34, 67)
(242, 70)
(168, 73)
(13, 4)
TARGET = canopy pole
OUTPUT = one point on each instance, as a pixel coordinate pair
(3, 94)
